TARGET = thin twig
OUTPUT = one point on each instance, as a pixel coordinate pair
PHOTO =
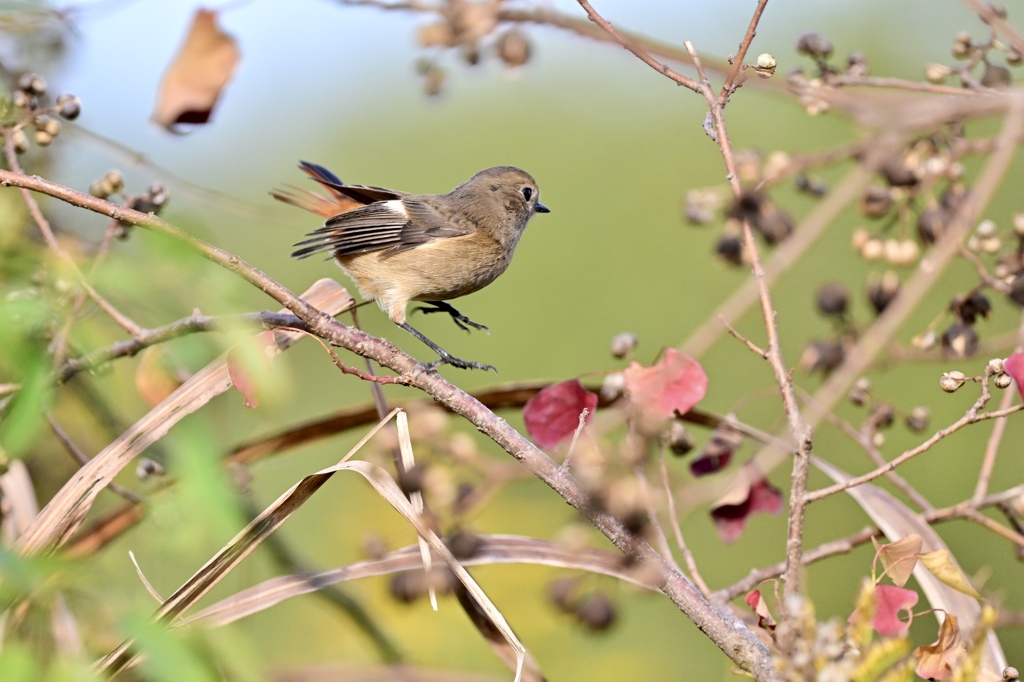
(673, 517)
(829, 549)
(970, 418)
(995, 438)
(641, 54)
(187, 325)
(80, 457)
(737, 61)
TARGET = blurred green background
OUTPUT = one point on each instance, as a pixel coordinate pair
(614, 147)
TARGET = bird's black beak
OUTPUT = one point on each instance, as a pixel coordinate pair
(541, 208)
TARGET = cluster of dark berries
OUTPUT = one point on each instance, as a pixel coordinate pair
(152, 200)
(882, 415)
(594, 610)
(981, 55)
(29, 96)
(470, 27)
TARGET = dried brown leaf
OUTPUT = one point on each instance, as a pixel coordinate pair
(195, 78)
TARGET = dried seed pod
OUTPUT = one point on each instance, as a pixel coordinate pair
(20, 141)
(596, 612)
(925, 341)
(43, 138)
(899, 171)
(411, 480)
(995, 76)
(960, 340)
(677, 437)
(860, 392)
(962, 45)
(562, 593)
(918, 419)
(876, 201)
(937, 73)
(856, 64)
(822, 355)
(730, 249)
(32, 84)
(115, 179)
(774, 224)
(101, 189)
(1003, 381)
(1017, 289)
(148, 468)
(814, 45)
(21, 99)
(873, 249)
(765, 65)
(701, 206)
(407, 586)
(613, 386)
(952, 381)
(970, 307)
(69, 107)
(882, 416)
(623, 344)
(995, 366)
(882, 290)
(814, 186)
(513, 48)
(464, 544)
(439, 34)
(833, 299)
(932, 223)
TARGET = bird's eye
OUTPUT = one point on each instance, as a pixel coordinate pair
(527, 193)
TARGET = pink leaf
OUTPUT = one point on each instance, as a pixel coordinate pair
(750, 494)
(675, 384)
(1014, 367)
(756, 602)
(889, 602)
(553, 414)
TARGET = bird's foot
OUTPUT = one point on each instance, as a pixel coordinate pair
(463, 322)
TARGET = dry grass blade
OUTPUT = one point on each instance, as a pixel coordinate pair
(415, 497)
(66, 511)
(241, 546)
(896, 520)
(20, 504)
(276, 514)
(493, 549)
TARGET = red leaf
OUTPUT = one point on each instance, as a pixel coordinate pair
(756, 602)
(750, 493)
(711, 462)
(553, 415)
(675, 383)
(889, 602)
(1014, 367)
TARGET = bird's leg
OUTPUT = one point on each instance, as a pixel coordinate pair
(446, 357)
(460, 319)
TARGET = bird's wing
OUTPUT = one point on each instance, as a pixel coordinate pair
(429, 220)
(394, 225)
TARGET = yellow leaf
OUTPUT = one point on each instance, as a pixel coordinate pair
(945, 569)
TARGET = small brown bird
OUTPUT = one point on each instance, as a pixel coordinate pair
(399, 247)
